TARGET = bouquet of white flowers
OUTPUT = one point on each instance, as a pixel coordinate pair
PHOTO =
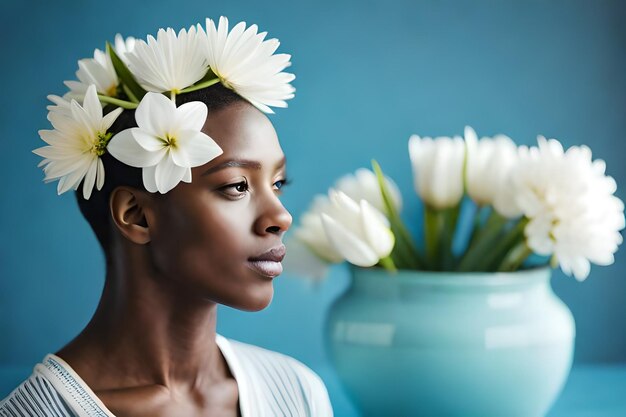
(542, 199)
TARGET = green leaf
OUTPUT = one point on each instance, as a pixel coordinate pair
(511, 238)
(485, 242)
(208, 76)
(450, 220)
(515, 257)
(404, 254)
(433, 232)
(124, 74)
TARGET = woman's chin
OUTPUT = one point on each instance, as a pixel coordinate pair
(254, 300)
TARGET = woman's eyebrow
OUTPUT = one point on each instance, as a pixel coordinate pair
(240, 163)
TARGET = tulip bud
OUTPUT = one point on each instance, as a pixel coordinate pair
(357, 231)
(363, 184)
(490, 162)
(438, 169)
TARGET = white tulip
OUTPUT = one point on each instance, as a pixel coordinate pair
(487, 172)
(309, 252)
(357, 231)
(363, 184)
(311, 230)
(438, 169)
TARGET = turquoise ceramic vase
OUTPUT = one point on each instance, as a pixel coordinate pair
(433, 344)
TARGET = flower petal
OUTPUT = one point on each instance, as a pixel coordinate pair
(192, 115)
(125, 148)
(246, 62)
(379, 237)
(149, 178)
(198, 147)
(347, 244)
(147, 140)
(155, 114)
(168, 174)
(90, 179)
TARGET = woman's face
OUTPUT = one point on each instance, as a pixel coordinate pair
(205, 235)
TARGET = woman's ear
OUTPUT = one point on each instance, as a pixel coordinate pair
(128, 213)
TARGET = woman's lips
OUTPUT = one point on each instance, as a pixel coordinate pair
(266, 268)
(268, 263)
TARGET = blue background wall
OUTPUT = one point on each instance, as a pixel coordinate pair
(369, 73)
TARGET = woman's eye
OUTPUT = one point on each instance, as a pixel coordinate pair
(239, 189)
(242, 187)
(235, 190)
(281, 183)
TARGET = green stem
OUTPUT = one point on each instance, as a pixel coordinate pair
(200, 86)
(129, 93)
(121, 103)
(433, 228)
(396, 257)
(475, 224)
(388, 264)
(451, 217)
(405, 252)
(515, 258)
(403, 255)
(409, 252)
(483, 243)
(495, 257)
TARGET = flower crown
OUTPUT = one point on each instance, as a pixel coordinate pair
(147, 76)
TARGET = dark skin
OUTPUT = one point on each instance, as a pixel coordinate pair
(176, 257)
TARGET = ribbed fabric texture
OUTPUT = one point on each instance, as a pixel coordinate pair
(270, 385)
(35, 397)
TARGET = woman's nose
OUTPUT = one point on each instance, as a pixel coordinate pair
(273, 217)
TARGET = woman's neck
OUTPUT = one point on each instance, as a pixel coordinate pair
(150, 333)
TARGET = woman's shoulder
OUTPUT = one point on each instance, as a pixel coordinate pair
(35, 396)
(284, 373)
(53, 390)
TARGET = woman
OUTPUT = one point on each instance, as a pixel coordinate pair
(188, 217)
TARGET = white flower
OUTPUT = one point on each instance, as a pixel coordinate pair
(573, 213)
(124, 46)
(309, 250)
(78, 140)
(357, 231)
(244, 61)
(487, 172)
(438, 169)
(99, 70)
(170, 62)
(363, 184)
(311, 231)
(167, 143)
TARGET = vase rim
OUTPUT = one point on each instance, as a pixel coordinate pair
(454, 278)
